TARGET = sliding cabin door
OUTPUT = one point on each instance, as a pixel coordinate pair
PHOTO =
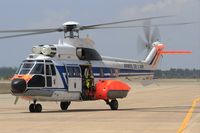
(74, 78)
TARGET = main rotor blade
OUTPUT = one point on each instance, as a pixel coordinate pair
(119, 22)
(26, 34)
(32, 30)
(139, 26)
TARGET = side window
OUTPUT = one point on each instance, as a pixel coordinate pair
(111, 72)
(73, 71)
(77, 72)
(101, 73)
(53, 69)
(48, 70)
(107, 71)
(48, 76)
(70, 71)
(87, 54)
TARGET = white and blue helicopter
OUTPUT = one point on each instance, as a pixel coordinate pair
(73, 70)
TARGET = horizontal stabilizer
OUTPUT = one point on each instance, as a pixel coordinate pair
(175, 52)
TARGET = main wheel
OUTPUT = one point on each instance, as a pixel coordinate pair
(38, 108)
(32, 107)
(64, 105)
(114, 105)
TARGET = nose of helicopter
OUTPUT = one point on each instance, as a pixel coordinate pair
(18, 85)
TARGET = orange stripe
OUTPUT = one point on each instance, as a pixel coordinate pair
(26, 77)
(176, 52)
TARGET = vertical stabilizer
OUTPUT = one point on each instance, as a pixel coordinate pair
(154, 55)
(157, 50)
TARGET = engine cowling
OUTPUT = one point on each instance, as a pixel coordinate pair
(111, 89)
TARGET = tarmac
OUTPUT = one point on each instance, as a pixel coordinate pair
(158, 108)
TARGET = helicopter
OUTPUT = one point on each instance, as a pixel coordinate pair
(73, 70)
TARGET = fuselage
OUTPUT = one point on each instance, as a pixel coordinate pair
(56, 72)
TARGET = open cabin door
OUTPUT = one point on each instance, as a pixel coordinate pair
(74, 78)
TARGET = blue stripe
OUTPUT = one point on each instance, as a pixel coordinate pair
(135, 71)
(97, 70)
(124, 75)
(129, 72)
(61, 70)
(108, 70)
(135, 75)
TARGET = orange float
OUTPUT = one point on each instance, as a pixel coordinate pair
(111, 89)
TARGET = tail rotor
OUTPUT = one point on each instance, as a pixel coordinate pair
(155, 35)
(141, 47)
(150, 37)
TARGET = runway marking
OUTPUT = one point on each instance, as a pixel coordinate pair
(188, 116)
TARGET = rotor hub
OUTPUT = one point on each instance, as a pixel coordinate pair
(71, 26)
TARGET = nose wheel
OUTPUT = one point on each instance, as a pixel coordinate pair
(35, 107)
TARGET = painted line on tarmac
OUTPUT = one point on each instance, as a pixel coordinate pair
(188, 115)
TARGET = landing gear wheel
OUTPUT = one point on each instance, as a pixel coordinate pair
(114, 105)
(38, 108)
(64, 105)
(32, 107)
(35, 107)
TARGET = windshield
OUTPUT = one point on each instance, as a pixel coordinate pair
(38, 69)
(32, 67)
(25, 68)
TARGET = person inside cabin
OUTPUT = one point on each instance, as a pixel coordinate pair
(89, 79)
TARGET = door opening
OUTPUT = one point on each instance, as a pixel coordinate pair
(88, 87)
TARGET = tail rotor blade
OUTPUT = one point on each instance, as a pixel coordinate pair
(141, 45)
(155, 35)
(147, 30)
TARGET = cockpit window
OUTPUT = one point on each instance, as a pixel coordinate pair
(28, 66)
(38, 69)
(48, 70)
(25, 68)
(18, 69)
(53, 69)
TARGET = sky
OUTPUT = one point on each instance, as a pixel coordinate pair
(22, 14)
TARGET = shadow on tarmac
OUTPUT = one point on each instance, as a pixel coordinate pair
(176, 109)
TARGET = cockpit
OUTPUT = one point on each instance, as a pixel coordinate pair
(36, 67)
(31, 67)
(42, 72)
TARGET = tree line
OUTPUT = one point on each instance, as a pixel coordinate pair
(8, 72)
(177, 73)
